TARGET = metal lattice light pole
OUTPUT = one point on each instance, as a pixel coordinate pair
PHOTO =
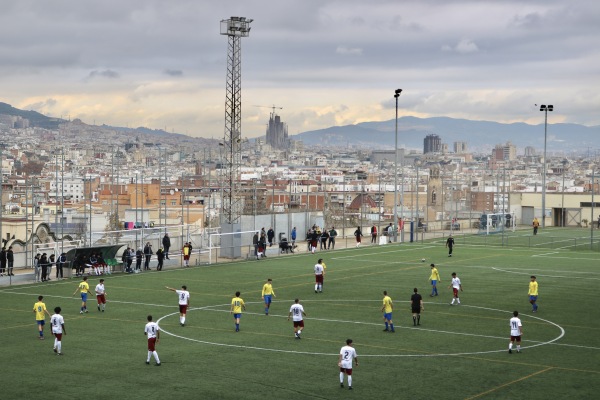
(545, 109)
(395, 218)
(234, 28)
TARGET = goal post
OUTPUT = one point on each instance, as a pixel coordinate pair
(227, 243)
(492, 223)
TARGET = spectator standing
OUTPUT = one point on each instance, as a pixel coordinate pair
(373, 234)
(10, 260)
(255, 244)
(324, 237)
(166, 242)
(160, 257)
(332, 235)
(294, 234)
(3, 262)
(148, 255)
(60, 263)
(44, 267)
(186, 251)
(51, 262)
(139, 256)
(36, 267)
(270, 236)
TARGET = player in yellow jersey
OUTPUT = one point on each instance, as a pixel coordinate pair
(267, 294)
(39, 309)
(237, 306)
(533, 293)
(84, 288)
(434, 278)
(387, 309)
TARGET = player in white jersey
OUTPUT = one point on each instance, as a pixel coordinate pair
(58, 329)
(516, 331)
(347, 355)
(319, 275)
(101, 295)
(297, 312)
(184, 302)
(456, 286)
(153, 332)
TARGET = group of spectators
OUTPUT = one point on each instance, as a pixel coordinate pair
(42, 266)
(7, 261)
(322, 238)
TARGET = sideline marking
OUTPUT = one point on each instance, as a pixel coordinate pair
(211, 308)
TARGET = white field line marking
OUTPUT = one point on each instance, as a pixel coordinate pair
(210, 308)
(549, 276)
(386, 252)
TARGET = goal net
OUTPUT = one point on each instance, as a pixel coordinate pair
(221, 242)
(496, 223)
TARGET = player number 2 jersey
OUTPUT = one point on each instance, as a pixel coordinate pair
(151, 329)
(348, 354)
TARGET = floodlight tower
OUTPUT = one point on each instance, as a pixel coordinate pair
(235, 28)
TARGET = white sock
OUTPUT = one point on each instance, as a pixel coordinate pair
(59, 346)
(183, 320)
(452, 301)
(299, 332)
(349, 380)
(149, 355)
(458, 300)
(341, 377)
(156, 357)
(518, 347)
(55, 342)
(316, 287)
(510, 346)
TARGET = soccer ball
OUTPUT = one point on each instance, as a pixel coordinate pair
(422, 260)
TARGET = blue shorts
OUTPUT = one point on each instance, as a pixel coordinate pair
(387, 316)
(532, 298)
(236, 316)
(268, 299)
(433, 282)
(41, 322)
(84, 297)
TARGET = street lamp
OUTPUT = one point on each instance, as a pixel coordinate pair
(395, 220)
(545, 109)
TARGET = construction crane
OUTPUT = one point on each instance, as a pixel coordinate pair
(274, 107)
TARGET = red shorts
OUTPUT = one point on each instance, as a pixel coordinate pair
(319, 278)
(515, 339)
(348, 371)
(313, 243)
(186, 257)
(358, 239)
(151, 344)
(299, 324)
(455, 291)
(183, 308)
(101, 299)
(58, 336)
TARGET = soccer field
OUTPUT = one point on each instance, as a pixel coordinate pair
(458, 352)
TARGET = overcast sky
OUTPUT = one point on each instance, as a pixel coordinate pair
(162, 64)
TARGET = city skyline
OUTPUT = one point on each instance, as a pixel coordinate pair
(162, 65)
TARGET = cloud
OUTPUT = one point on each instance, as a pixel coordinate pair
(41, 106)
(107, 73)
(173, 72)
(352, 51)
(465, 46)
